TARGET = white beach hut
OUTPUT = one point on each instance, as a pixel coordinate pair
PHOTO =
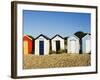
(57, 43)
(73, 44)
(42, 45)
(86, 44)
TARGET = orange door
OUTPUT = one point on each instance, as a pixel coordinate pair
(25, 47)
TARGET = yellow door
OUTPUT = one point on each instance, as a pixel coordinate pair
(25, 47)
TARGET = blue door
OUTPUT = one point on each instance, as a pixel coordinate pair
(41, 47)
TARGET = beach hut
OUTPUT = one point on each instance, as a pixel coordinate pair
(73, 44)
(42, 45)
(28, 44)
(86, 44)
(57, 43)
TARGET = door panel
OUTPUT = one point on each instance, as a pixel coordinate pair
(73, 46)
(41, 47)
(25, 47)
(57, 46)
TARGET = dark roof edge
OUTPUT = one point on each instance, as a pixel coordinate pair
(57, 35)
(43, 36)
(29, 36)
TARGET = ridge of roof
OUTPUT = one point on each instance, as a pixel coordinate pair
(43, 36)
(57, 35)
(30, 37)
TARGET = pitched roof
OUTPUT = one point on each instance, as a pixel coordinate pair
(43, 36)
(28, 36)
(87, 34)
(57, 35)
(73, 36)
(65, 38)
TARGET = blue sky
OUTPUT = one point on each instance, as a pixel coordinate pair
(52, 23)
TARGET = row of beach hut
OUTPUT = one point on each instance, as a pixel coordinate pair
(42, 45)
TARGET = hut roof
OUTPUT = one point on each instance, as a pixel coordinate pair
(73, 36)
(43, 36)
(65, 38)
(28, 36)
(87, 35)
(57, 35)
